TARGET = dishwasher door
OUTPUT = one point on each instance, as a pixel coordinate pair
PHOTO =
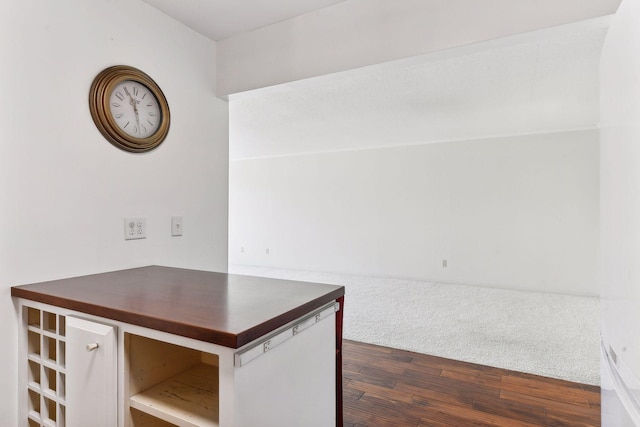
(289, 378)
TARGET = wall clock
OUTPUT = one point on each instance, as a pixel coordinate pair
(129, 108)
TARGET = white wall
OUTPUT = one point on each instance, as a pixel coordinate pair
(64, 190)
(517, 212)
(357, 33)
(620, 210)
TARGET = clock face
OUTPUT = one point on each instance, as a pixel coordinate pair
(135, 109)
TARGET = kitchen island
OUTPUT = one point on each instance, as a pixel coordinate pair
(163, 346)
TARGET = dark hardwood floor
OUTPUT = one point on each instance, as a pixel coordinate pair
(387, 387)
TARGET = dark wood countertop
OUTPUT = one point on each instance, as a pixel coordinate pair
(220, 308)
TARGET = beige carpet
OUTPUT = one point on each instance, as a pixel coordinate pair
(545, 334)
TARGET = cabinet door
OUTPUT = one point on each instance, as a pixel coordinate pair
(91, 374)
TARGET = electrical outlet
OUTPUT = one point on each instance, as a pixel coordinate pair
(135, 228)
(176, 226)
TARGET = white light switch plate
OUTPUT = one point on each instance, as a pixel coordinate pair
(176, 226)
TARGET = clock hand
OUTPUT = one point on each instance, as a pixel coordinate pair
(135, 110)
(132, 100)
(129, 95)
(134, 103)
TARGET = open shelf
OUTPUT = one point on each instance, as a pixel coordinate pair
(171, 385)
(189, 399)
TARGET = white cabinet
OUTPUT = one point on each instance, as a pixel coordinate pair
(91, 384)
(81, 370)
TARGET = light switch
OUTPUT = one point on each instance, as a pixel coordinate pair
(176, 226)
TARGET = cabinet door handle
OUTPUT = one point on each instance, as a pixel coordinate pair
(92, 346)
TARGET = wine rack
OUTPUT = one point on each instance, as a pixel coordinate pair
(46, 368)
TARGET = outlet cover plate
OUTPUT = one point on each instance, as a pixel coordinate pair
(135, 228)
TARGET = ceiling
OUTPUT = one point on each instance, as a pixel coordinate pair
(542, 81)
(220, 19)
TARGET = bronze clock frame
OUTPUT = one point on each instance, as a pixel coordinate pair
(99, 94)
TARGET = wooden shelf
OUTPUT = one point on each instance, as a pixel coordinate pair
(189, 399)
